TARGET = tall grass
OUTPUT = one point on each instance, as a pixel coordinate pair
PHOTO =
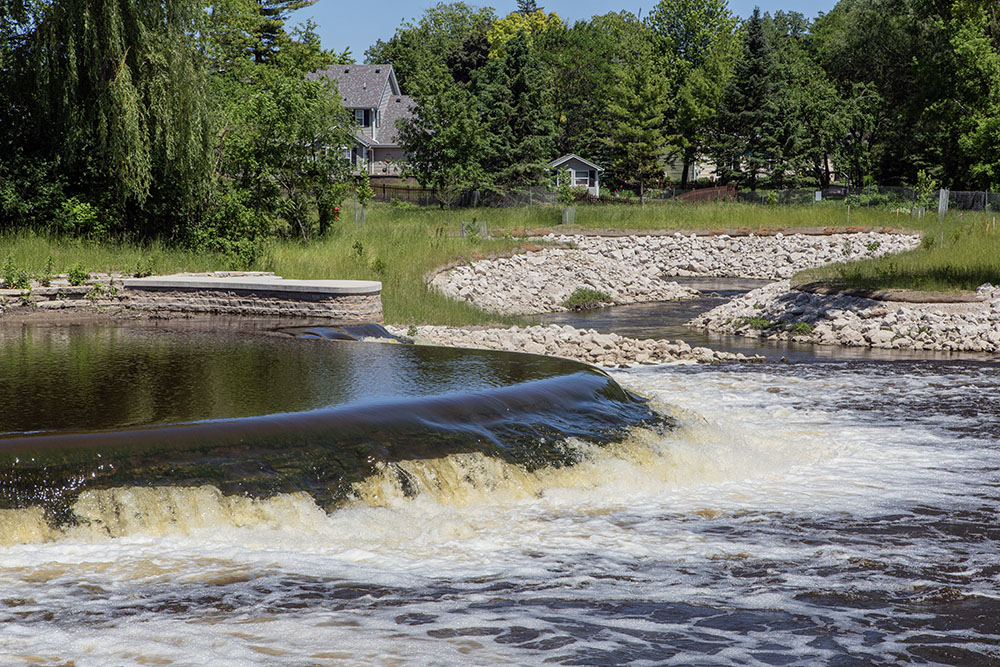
(400, 246)
(660, 215)
(31, 251)
(958, 255)
(399, 251)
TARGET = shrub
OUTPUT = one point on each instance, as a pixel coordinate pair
(232, 229)
(78, 275)
(80, 218)
(45, 277)
(801, 328)
(754, 322)
(586, 299)
(13, 277)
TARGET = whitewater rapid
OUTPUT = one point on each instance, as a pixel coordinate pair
(798, 514)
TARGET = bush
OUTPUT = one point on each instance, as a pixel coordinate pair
(80, 218)
(78, 275)
(231, 229)
(13, 277)
(754, 323)
(586, 299)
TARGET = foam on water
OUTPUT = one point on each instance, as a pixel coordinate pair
(796, 515)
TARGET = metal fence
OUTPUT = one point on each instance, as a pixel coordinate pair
(413, 195)
(909, 199)
(884, 196)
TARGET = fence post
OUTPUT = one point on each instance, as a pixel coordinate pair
(942, 203)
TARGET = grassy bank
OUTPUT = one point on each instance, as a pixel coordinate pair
(958, 255)
(399, 253)
(399, 246)
(655, 215)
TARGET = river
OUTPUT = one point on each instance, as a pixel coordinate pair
(842, 513)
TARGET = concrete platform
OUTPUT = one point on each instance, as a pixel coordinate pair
(271, 284)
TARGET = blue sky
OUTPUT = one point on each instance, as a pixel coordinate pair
(358, 25)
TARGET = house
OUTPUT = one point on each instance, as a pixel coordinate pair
(584, 174)
(372, 94)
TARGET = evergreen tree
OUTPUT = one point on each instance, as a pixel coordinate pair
(745, 145)
(271, 29)
(638, 106)
(514, 93)
(527, 7)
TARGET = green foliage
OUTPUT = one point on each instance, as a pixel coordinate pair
(757, 322)
(452, 33)
(564, 191)
(231, 229)
(143, 268)
(802, 328)
(699, 38)
(78, 275)
(13, 276)
(45, 277)
(83, 219)
(364, 191)
(636, 142)
(745, 144)
(584, 298)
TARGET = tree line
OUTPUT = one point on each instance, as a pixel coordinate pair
(874, 91)
(169, 119)
(196, 122)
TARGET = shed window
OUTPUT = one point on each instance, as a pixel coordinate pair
(581, 178)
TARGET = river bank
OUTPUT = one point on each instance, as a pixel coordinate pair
(781, 312)
(637, 268)
(587, 345)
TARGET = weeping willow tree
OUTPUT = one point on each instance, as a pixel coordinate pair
(122, 102)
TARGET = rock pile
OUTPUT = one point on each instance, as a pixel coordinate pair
(777, 311)
(539, 282)
(586, 345)
(763, 257)
(630, 269)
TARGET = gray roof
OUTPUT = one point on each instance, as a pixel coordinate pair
(573, 156)
(400, 108)
(360, 86)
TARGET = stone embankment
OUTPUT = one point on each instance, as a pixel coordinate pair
(586, 345)
(778, 311)
(631, 269)
(252, 294)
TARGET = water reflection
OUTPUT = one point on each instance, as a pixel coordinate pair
(102, 406)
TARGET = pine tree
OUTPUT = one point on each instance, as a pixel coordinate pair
(745, 145)
(273, 14)
(527, 7)
(638, 112)
(514, 93)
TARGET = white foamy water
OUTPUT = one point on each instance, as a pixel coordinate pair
(797, 515)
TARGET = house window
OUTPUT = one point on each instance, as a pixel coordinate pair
(363, 117)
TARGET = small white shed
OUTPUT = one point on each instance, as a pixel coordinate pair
(585, 174)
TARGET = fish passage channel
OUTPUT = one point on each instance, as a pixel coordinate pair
(836, 513)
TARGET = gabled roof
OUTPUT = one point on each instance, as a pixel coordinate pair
(360, 86)
(573, 156)
(400, 107)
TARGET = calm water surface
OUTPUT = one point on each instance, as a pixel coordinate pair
(838, 513)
